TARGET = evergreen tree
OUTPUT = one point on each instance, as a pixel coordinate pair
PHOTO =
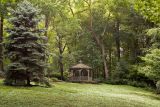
(25, 47)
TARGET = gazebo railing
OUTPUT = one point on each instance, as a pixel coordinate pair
(81, 78)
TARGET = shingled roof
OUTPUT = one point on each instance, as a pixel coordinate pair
(80, 66)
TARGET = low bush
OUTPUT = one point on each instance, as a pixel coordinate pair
(8, 82)
(137, 83)
(117, 82)
(55, 79)
(58, 75)
(1, 74)
(127, 82)
(46, 82)
(121, 72)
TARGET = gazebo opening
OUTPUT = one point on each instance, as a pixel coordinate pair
(80, 73)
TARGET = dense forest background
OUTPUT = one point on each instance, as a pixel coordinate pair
(119, 39)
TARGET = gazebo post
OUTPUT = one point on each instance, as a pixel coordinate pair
(88, 74)
(72, 71)
(91, 75)
(80, 74)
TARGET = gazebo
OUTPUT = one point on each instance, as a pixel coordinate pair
(80, 73)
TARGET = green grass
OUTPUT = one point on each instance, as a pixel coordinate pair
(77, 95)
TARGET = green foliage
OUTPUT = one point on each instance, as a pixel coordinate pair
(71, 27)
(54, 79)
(24, 46)
(129, 74)
(153, 32)
(149, 9)
(119, 75)
(151, 65)
(57, 75)
(4, 4)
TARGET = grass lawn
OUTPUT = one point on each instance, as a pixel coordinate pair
(77, 95)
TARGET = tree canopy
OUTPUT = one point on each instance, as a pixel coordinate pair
(119, 39)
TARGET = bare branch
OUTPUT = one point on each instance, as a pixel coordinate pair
(70, 7)
(81, 11)
(105, 28)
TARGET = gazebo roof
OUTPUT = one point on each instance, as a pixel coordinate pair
(80, 66)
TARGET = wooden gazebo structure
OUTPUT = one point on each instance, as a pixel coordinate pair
(80, 73)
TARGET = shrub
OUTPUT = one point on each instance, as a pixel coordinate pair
(116, 81)
(137, 84)
(150, 67)
(8, 82)
(120, 74)
(58, 75)
(46, 82)
(55, 75)
(55, 79)
(100, 79)
(66, 75)
(1, 74)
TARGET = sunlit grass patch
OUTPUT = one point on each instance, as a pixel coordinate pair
(77, 95)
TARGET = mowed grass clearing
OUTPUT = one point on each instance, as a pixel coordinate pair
(64, 94)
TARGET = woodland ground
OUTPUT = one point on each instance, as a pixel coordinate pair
(64, 94)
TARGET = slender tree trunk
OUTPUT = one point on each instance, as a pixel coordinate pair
(103, 52)
(46, 25)
(110, 59)
(60, 61)
(99, 42)
(1, 40)
(61, 67)
(135, 51)
(106, 74)
(28, 81)
(117, 39)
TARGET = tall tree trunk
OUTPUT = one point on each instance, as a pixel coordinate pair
(110, 59)
(1, 40)
(61, 67)
(106, 74)
(135, 50)
(46, 24)
(60, 61)
(117, 39)
(101, 46)
(99, 42)
(28, 81)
